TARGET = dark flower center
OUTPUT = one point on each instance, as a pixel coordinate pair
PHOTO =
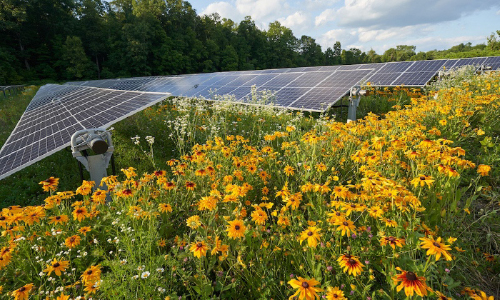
(422, 178)
(79, 211)
(237, 227)
(391, 239)
(351, 262)
(72, 239)
(2, 218)
(345, 223)
(58, 218)
(56, 265)
(309, 233)
(305, 285)
(411, 276)
(89, 272)
(22, 289)
(338, 214)
(199, 245)
(436, 244)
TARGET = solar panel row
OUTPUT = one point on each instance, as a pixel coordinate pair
(57, 112)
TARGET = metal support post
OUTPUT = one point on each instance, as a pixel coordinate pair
(99, 140)
(354, 99)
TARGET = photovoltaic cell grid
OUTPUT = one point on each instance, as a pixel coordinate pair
(56, 112)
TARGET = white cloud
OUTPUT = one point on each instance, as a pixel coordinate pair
(224, 9)
(294, 20)
(318, 4)
(367, 34)
(498, 13)
(440, 43)
(259, 9)
(345, 36)
(326, 16)
(383, 14)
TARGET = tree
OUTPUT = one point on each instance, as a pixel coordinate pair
(74, 56)
(229, 59)
(310, 51)
(283, 46)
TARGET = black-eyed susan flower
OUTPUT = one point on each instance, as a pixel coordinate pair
(84, 230)
(480, 295)
(236, 229)
(411, 283)
(62, 297)
(193, 222)
(199, 249)
(392, 241)
(165, 208)
(351, 264)
(335, 294)
(289, 170)
(259, 216)
(91, 274)
(190, 185)
(57, 266)
(50, 184)
(58, 219)
(305, 288)
(436, 247)
(92, 287)
(345, 226)
(99, 196)
(22, 293)
(312, 235)
(422, 180)
(72, 241)
(483, 170)
(80, 213)
(85, 188)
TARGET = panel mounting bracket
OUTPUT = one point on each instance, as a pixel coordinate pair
(354, 98)
(98, 140)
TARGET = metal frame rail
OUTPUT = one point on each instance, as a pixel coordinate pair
(12, 89)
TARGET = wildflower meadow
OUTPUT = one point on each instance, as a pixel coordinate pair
(265, 203)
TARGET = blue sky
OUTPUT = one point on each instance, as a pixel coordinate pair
(370, 24)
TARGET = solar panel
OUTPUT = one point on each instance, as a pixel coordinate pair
(493, 62)
(58, 111)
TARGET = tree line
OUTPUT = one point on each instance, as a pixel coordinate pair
(58, 40)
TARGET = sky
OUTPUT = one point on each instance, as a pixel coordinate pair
(370, 24)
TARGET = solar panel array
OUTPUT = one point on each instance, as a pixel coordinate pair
(57, 111)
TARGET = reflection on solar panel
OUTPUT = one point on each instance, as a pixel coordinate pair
(58, 111)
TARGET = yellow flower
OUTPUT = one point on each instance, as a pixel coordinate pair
(289, 170)
(346, 226)
(22, 293)
(305, 288)
(436, 247)
(351, 264)
(480, 132)
(236, 229)
(193, 222)
(335, 294)
(312, 235)
(57, 267)
(73, 241)
(199, 249)
(411, 283)
(483, 170)
(422, 180)
(50, 184)
(259, 216)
